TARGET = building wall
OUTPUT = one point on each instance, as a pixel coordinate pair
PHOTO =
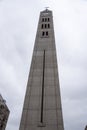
(4, 113)
(86, 128)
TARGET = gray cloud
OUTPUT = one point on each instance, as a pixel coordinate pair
(18, 24)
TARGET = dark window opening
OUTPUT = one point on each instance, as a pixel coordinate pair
(42, 26)
(42, 19)
(48, 25)
(46, 33)
(1, 125)
(3, 119)
(45, 19)
(45, 25)
(48, 19)
(43, 33)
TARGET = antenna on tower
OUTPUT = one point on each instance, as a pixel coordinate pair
(46, 8)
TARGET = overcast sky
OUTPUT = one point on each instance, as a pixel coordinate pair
(18, 25)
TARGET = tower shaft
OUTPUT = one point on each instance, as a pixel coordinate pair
(42, 106)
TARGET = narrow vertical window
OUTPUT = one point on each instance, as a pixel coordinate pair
(48, 19)
(42, 19)
(45, 25)
(48, 25)
(42, 26)
(45, 19)
(43, 33)
(46, 33)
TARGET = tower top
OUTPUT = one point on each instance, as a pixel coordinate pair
(46, 11)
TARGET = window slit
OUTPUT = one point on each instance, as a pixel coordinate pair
(45, 25)
(46, 33)
(42, 26)
(48, 25)
(43, 33)
(45, 19)
(42, 98)
(42, 19)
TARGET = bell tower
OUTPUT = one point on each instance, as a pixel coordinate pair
(42, 105)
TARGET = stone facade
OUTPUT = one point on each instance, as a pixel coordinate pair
(86, 128)
(42, 106)
(4, 113)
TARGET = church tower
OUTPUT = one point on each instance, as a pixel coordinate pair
(42, 105)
